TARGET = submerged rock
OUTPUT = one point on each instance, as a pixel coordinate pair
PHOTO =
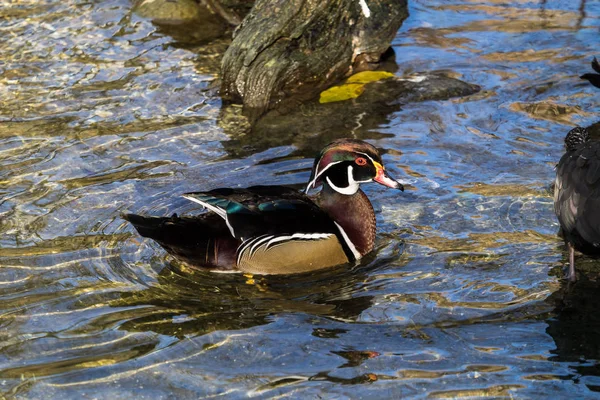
(194, 22)
(169, 12)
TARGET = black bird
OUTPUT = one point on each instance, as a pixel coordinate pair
(276, 229)
(593, 78)
(577, 195)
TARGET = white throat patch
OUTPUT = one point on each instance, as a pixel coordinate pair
(352, 184)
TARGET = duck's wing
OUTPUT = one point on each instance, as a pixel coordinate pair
(265, 210)
(577, 194)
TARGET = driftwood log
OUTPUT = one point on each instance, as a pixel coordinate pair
(286, 51)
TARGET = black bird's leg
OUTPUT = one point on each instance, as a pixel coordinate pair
(571, 276)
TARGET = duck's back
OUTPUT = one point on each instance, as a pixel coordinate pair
(577, 197)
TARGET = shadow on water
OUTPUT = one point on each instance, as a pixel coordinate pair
(194, 302)
(575, 325)
(312, 125)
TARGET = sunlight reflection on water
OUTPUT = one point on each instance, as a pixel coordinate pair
(101, 113)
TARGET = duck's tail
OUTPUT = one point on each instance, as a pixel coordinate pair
(203, 240)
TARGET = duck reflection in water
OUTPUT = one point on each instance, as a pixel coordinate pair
(192, 302)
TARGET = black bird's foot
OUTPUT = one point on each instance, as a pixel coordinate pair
(570, 276)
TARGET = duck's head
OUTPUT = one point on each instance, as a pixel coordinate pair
(575, 137)
(346, 163)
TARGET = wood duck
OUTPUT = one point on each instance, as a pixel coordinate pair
(577, 195)
(593, 78)
(276, 229)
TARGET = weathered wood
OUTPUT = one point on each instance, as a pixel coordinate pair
(289, 50)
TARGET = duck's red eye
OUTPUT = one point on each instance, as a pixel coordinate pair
(361, 161)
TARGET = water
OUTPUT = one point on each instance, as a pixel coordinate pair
(101, 112)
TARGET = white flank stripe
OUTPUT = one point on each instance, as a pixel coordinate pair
(243, 247)
(302, 236)
(248, 244)
(365, 8)
(256, 245)
(266, 242)
(242, 250)
(348, 241)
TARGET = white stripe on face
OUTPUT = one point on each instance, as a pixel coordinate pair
(318, 174)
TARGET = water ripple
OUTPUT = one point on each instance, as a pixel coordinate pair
(102, 112)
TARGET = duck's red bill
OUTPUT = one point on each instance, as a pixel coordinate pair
(383, 178)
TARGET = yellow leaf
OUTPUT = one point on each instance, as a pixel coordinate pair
(369, 76)
(342, 92)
